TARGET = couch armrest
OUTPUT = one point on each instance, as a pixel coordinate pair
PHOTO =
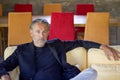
(97, 56)
(107, 69)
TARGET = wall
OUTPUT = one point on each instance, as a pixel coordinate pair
(111, 6)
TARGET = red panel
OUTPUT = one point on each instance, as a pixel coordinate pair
(62, 26)
(82, 9)
(23, 8)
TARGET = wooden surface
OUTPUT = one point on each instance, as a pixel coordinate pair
(97, 27)
(18, 31)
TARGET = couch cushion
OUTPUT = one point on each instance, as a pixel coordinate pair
(9, 50)
(107, 71)
(77, 57)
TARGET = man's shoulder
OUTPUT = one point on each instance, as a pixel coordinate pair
(53, 41)
(25, 45)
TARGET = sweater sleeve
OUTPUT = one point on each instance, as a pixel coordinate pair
(80, 43)
(9, 64)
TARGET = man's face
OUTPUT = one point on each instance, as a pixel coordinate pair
(39, 34)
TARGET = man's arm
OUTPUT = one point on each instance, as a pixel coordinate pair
(9, 64)
(69, 45)
(110, 52)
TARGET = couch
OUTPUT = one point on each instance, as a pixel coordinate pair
(82, 58)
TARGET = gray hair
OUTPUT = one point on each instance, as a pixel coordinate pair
(43, 21)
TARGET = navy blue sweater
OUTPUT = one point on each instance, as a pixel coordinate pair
(46, 65)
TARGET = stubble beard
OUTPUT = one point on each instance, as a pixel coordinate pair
(39, 43)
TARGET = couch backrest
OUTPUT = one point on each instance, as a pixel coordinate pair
(8, 51)
(97, 56)
(78, 57)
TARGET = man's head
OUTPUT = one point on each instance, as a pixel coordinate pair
(39, 30)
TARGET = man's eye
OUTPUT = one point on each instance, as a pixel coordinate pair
(37, 31)
(45, 31)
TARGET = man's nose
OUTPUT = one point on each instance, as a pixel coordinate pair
(41, 35)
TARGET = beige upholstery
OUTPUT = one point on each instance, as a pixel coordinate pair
(18, 27)
(53, 7)
(8, 51)
(78, 57)
(102, 59)
(97, 27)
(95, 58)
(107, 70)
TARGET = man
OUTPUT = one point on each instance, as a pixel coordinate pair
(37, 62)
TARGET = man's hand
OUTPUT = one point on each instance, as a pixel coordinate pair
(5, 77)
(110, 52)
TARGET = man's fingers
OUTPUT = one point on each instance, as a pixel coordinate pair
(108, 56)
(115, 54)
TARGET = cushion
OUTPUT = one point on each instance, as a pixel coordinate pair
(8, 51)
(107, 71)
(77, 57)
